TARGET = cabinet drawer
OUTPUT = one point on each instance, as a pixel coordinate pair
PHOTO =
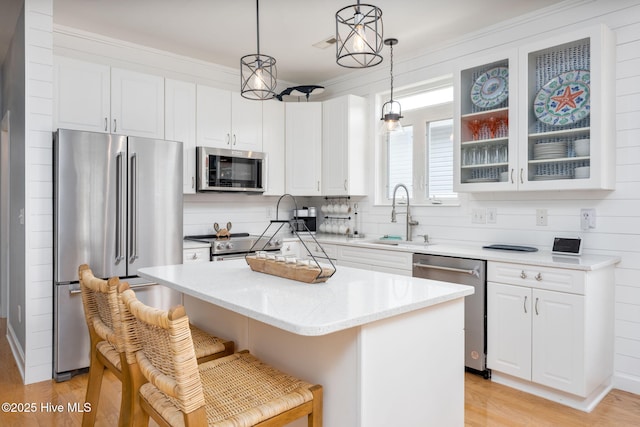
(377, 257)
(196, 255)
(553, 279)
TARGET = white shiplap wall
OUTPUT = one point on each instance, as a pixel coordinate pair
(38, 175)
(618, 212)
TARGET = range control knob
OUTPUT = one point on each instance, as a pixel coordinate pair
(229, 245)
(219, 246)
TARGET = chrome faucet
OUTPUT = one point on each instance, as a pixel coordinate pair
(410, 222)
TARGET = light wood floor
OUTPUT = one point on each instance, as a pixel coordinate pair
(486, 403)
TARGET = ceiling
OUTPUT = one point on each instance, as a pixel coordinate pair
(221, 31)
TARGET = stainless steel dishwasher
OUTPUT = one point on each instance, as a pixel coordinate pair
(464, 271)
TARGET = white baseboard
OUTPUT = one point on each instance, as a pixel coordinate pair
(16, 349)
(627, 383)
(586, 404)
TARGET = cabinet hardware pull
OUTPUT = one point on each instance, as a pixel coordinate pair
(512, 170)
(525, 304)
(318, 185)
(539, 277)
(521, 174)
(115, 126)
(106, 124)
(345, 185)
(537, 306)
(228, 139)
(195, 255)
(193, 182)
(523, 275)
(235, 139)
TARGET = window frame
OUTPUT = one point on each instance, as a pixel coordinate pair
(418, 118)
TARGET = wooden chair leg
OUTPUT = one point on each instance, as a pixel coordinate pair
(315, 417)
(94, 383)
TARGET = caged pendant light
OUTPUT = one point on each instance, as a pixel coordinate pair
(258, 72)
(359, 36)
(391, 110)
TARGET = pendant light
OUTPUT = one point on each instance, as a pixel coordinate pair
(359, 36)
(258, 72)
(391, 110)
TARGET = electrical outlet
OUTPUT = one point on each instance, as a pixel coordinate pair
(479, 216)
(492, 215)
(587, 219)
(541, 217)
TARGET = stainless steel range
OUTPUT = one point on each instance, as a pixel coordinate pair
(237, 245)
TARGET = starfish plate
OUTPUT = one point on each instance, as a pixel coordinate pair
(565, 99)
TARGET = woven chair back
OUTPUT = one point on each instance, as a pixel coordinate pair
(162, 346)
(100, 301)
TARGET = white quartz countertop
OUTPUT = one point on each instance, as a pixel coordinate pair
(584, 262)
(351, 297)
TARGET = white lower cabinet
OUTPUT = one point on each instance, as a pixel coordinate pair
(539, 332)
(195, 252)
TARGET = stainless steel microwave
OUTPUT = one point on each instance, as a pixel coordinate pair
(221, 169)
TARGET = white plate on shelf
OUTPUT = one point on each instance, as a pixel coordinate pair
(551, 177)
(491, 88)
(479, 180)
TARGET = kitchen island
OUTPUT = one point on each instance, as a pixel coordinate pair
(388, 349)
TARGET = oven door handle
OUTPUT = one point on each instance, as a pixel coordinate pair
(475, 272)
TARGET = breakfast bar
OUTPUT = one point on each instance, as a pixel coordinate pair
(388, 349)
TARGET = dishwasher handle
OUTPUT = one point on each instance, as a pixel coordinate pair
(475, 272)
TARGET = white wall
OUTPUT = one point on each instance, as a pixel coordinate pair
(618, 212)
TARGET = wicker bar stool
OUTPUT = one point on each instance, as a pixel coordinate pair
(102, 313)
(233, 391)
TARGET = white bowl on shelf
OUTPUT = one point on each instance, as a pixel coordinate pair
(582, 172)
(582, 147)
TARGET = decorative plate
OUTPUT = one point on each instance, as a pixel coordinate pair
(491, 88)
(565, 99)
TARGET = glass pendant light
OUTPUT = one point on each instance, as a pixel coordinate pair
(258, 72)
(391, 110)
(359, 36)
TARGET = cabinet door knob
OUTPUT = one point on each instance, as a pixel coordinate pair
(523, 275)
(539, 277)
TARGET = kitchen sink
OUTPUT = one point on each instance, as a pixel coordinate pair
(398, 243)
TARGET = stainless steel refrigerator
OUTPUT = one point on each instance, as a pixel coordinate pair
(117, 208)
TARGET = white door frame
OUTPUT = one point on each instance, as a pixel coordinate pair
(5, 199)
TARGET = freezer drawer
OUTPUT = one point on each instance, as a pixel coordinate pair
(71, 336)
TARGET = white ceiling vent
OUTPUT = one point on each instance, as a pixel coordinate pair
(328, 42)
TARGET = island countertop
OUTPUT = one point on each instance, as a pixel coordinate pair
(351, 297)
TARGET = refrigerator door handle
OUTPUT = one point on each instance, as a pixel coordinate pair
(133, 237)
(119, 206)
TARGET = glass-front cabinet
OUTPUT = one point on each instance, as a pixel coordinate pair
(540, 119)
(485, 124)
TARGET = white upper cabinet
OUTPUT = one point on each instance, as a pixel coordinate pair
(246, 123)
(343, 146)
(226, 120)
(303, 124)
(137, 104)
(82, 93)
(558, 96)
(98, 98)
(273, 144)
(180, 125)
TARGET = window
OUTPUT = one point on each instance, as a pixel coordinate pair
(421, 157)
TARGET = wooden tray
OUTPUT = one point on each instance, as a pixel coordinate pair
(301, 273)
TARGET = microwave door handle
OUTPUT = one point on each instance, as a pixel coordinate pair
(119, 205)
(133, 230)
